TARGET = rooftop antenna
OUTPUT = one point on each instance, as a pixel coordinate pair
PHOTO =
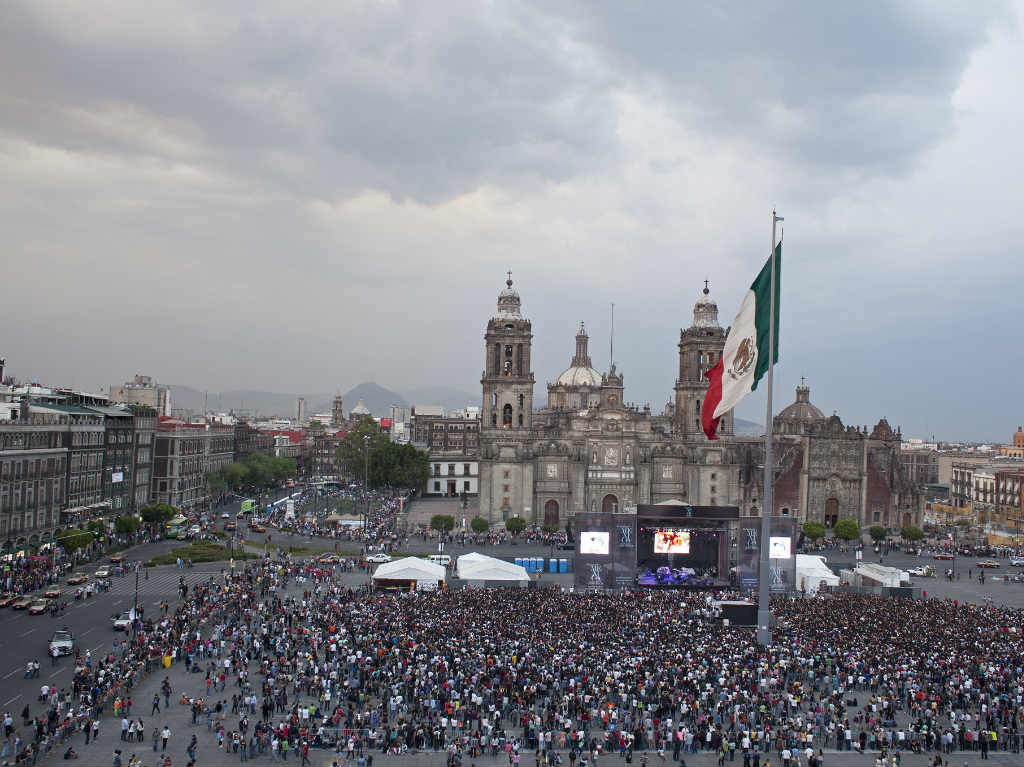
(611, 339)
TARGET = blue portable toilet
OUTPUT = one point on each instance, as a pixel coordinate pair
(538, 564)
(563, 565)
(552, 565)
(519, 561)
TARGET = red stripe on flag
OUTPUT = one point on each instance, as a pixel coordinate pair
(713, 396)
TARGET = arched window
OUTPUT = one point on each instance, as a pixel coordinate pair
(520, 419)
(506, 415)
(522, 399)
(494, 418)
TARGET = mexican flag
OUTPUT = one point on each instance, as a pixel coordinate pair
(745, 358)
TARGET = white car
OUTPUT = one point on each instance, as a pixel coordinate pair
(225, 515)
(919, 571)
(378, 559)
(1017, 561)
(122, 622)
(103, 572)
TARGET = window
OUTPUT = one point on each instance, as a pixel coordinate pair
(506, 473)
(520, 419)
(504, 501)
(506, 416)
(465, 469)
(451, 469)
(465, 486)
(437, 469)
(504, 488)
(437, 487)
(522, 399)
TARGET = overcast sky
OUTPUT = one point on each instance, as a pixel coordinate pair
(300, 196)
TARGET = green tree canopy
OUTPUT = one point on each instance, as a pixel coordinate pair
(72, 539)
(216, 483)
(157, 513)
(389, 464)
(877, 532)
(127, 524)
(846, 529)
(442, 522)
(814, 530)
(515, 525)
(479, 525)
(911, 533)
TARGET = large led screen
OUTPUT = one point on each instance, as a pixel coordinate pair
(668, 541)
(594, 542)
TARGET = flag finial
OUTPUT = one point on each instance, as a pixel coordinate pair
(706, 289)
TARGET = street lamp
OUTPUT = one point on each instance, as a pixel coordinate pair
(366, 483)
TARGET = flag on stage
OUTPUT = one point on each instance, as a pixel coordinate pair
(745, 358)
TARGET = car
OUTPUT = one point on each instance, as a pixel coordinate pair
(1017, 561)
(63, 641)
(22, 603)
(38, 606)
(378, 558)
(103, 572)
(225, 515)
(230, 526)
(941, 555)
(78, 579)
(240, 515)
(257, 528)
(122, 622)
(52, 593)
(329, 558)
(118, 559)
(195, 530)
(8, 599)
(987, 563)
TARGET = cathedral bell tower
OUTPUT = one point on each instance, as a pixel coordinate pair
(700, 348)
(507, 379)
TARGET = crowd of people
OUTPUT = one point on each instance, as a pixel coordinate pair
(286, 659)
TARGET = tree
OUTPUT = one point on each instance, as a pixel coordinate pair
(911, 533)
(515, 525)
(72, 539)
(352, 450)
(157, 513)
(479, 525)
(814, 530)
(877, 533)
(127, 524)
(847, 530)
(442, 522)
(235, 475)
(316, 423)
(216, 483)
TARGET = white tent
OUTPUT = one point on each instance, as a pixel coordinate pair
(409, 569)
(812, 572)
(480, 567)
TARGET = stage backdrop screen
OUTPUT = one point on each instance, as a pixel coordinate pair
(594, 542)
(671, 541)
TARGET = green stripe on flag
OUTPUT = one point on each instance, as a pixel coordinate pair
(762, 296)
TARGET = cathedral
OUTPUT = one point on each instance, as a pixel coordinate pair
(586, 449)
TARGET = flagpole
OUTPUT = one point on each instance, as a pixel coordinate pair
(764, 610)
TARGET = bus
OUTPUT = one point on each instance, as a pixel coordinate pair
(177, 527)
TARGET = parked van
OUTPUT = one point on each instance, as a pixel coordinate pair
(444, 560)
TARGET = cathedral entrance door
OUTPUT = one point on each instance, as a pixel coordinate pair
(831, 512)
(610, 504)
(551, 513)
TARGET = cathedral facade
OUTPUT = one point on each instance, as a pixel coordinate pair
(586, 449)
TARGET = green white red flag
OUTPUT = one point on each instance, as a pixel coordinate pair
(745, 358)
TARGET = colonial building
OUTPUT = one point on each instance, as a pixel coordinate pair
(587, 449)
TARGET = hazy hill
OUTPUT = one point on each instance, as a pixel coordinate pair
(375, 397)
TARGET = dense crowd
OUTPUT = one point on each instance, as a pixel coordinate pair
(471, 671)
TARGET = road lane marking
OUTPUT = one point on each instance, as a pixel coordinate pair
(87, 631)
(51, 676)
(20, 668)
(27, 633)
(9, 702)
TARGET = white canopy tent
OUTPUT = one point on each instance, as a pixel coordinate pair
(476, 567)
(409, 569)
(812, 572)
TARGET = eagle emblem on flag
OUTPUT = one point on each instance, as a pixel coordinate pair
(746, 354)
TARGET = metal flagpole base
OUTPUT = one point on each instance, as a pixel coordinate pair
(764, 631)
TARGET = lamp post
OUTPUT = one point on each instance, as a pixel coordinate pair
(366, 483)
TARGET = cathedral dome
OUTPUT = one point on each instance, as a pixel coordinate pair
(578, 375)
(360, 409)
(802, 411)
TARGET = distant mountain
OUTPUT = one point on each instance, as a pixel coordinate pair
(449, 399)
(378, 399)
(258, 402)
(744, 428)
